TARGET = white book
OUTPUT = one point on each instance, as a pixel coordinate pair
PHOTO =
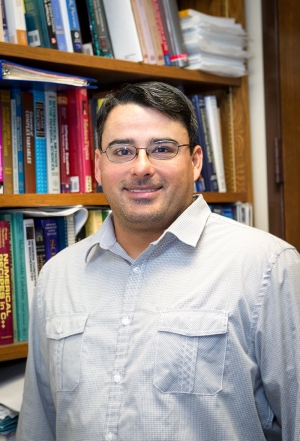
(52, 142)
(66, 24)
(1, 27)
(139, 11)
(30, 258)
(15, 16)
(14, 141)
(122, 29)
(214, 127)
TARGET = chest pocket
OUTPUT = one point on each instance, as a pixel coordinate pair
(65, 335)
(190, 353)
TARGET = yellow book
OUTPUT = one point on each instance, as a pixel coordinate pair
(93, 222)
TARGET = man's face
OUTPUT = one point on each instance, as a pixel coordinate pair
(146, 194)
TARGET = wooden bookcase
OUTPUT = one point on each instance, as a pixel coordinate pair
(232, 94)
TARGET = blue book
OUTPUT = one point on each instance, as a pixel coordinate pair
(51, 238)
(59, 27)
(62, 231)
(36, 24)
(16, 96)
(74, 25)
(40, 141)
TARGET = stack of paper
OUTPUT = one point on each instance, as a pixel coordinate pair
(214, 44)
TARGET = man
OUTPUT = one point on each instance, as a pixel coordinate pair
(170, 323)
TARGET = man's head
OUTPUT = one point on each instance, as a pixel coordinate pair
(148, 160)
(160, 96)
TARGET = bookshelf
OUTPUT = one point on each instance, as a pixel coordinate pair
(232, 94)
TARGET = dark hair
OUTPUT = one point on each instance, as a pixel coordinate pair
(160, 96)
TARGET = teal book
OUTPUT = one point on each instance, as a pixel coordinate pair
(40, 141)
(36, 23)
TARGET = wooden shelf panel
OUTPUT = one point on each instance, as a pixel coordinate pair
(97, 199)
(13, 351)
(110, 72)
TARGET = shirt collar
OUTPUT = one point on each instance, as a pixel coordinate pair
(187, 227)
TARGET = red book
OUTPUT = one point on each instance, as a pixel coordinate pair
(28, 142)
(79, 141)
(63, 133)
(6, 319)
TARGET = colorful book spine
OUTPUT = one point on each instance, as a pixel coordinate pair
(28, 142)
(4, 22)
(20, 276)
(8, 217)
(99, 29)
(51, 239)
(13, 117)
(30, 258)
(59, 26)
(17, 96)
(80, 159)
(93, 222)
(71, 25)
(154, 32)
(50, 23)
(6, 316)
(40, 148)
(36, 24)
(63, 134)
(7, 142)
(1, 154)
(51, 126)
(161, 33)
(40, 248)
(15, 15)
(92, 137)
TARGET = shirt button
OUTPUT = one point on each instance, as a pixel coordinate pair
(137, 269)
(109, 436)
(59, 330)
(117, 378)
(126, 321)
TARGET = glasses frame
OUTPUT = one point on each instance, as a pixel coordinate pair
(143, 148)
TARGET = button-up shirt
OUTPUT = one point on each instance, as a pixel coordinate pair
(195, 340)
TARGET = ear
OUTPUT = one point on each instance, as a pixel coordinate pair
(197, 160)
(97, 166)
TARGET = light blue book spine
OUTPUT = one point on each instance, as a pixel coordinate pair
(59, 27)
(17, 96)
(40, 141)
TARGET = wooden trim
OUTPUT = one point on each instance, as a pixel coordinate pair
(14, 351)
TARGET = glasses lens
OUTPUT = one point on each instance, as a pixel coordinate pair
(163, 150)
(121, 153)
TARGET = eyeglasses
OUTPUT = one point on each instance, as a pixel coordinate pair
(160, 150)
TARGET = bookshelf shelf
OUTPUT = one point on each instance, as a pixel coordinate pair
(13, 351)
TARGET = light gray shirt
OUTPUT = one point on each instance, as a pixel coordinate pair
(195, 340)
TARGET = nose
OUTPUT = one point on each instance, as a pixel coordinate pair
(141, 165)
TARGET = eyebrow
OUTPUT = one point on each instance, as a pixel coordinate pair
(130, 141)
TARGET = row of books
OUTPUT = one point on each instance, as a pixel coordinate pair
(239, 211)
(135, 30)
(47, 141)
(27, 241)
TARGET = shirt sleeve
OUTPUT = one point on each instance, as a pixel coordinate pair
(37, 417)
(277, 341)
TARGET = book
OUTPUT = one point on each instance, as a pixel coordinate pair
(30, 258)
(99, 29)
(28, 142)
(122, 29)
(92, 138)
(62, 229)
(1, 26)
(80, 159)
(4, 22)
(52, 146)
(94, 221)
(213, 122)
(13, 119)
(8, 217)
(40, 248)
(48, 13)
(50, 234)
(170, 20)
(161, 33)
(15, 16)
(144, 32)
(140, 31)
(36, 24)
(63, 134)
(7, 157)
(40, 147)
(17, 137)
(59, 26)
(154, 32)
(6, 317)
(71, 25)
(1, 154)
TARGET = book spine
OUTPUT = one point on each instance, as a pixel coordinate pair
(1, 153)
(40, 148)
(7, 143)
(216, 139)
(4, 22)
(122, 29)
(20, 276)
(62, 229)
(92, 138)
(40, 248)
(144, 24)
(154, 33)
(71, 229)
(63, 133)
(99, 29)
(74, 26)
(30, 258)
(16, 94)
(28, 142)
(50, 24)
(161, 33)
(59, 26)
(1, 27)
(13, 118)
(51, 126)
(6, 314)
(36, 25)
(50, 233)
(15, 16)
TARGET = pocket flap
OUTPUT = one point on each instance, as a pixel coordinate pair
(194, 323)
(64, 325)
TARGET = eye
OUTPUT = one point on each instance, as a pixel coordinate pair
(122, 150)
(165, 147)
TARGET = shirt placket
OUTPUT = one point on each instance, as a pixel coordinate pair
(119, 374)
